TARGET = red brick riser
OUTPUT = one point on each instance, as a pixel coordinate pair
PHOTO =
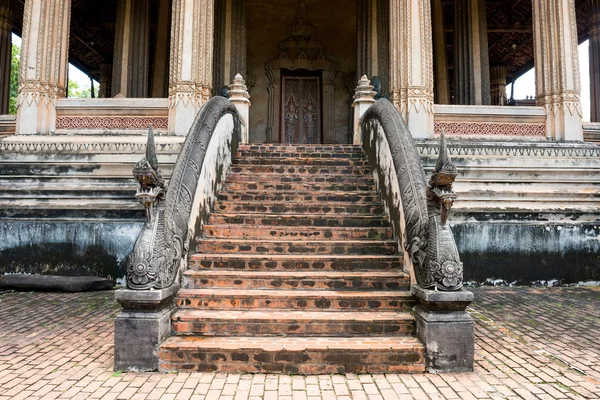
(297, 271)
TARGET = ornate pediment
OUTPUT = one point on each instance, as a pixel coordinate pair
(300, 50)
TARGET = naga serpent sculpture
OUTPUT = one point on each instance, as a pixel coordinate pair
(423, 207)
(160, 250)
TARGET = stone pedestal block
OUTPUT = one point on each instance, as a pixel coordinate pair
(142, 325)
(445, 328)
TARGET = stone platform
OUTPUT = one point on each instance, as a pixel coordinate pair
(530, 343)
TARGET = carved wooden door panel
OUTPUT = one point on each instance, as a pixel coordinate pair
(301, 110)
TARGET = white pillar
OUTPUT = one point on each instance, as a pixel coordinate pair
(190, 75)
(364, 97)
(44, 62)
(411, 64)
(238, 95)
(557, 68)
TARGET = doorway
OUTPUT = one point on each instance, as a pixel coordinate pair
(301, 108)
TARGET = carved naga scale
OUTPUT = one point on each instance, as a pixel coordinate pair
(161, 247)
(429, 241)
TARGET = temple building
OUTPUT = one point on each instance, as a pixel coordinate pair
(360, 87)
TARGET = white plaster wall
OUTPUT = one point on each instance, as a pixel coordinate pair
(216, 165)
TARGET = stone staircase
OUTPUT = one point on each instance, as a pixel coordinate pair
(297, 271)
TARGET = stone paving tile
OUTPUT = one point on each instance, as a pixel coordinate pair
(531, 343)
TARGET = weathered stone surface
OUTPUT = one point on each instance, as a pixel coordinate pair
(527, 211)
(56, 283)
(142, 325)
(445, 328)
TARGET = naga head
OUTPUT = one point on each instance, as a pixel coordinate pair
(442, 178)
(151, 183)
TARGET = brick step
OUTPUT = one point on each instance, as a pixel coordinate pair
(304, 208)
(295, 232)
(307, 162)
(299, 148)
(277, 178)
(329, 247)
(346, 197)
(301, 154)
(293, 355)
(299, 186)
(331, 220)
(302, 170)
(277, 280)
(266, 262)
(291, 323)
(317, 300)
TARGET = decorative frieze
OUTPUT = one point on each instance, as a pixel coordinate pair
(512, 149)
(89, 145)
(111, 123)
(411, 64)
(557, 68)
(43, 68)
(490, 129)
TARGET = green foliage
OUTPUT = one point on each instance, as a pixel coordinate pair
(78, 92)
(81, 92)
(14, 79)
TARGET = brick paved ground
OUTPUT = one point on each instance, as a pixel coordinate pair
(530, 343)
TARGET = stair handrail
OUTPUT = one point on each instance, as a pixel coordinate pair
(161, 249)
(418, 210)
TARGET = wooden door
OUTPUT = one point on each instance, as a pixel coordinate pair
(301, 116)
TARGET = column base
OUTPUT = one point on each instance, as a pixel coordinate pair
(445, 328)
(144, 323)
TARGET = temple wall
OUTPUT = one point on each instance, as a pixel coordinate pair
(267, 24)
(67, 204)
(525, 211)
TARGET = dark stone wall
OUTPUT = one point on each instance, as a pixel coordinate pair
(528, 251)
(77, 248)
